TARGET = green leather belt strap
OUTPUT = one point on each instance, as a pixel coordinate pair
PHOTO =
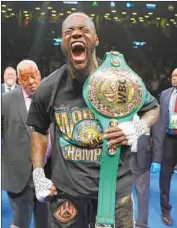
(114, 93)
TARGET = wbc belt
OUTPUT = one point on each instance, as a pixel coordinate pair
(114, 93)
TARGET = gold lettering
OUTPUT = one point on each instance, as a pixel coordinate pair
(78, 154)
(76, 116)
(87, 114)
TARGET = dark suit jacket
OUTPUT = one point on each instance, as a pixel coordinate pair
(3, 88)
(16, 162)
(159, 129)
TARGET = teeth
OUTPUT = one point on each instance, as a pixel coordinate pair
(77, 44)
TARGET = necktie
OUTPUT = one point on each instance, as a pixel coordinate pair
(9, 89)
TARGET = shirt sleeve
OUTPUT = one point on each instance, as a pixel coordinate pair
(150, 103)
(38, 115)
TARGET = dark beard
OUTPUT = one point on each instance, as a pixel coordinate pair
(81, 74)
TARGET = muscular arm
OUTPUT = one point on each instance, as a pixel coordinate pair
(39, 144)
(151, 116)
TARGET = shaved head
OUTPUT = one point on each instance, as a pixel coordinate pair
(69, 19)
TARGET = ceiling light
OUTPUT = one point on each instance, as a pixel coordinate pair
(124, 13)
(49, 7)
(158, 18)
(3, 11)
(61, 14)
(167, 24)
(115, 18)
(37, 8)
(107, 14)
(150, 13)
(42, 13)
(174, 23)
(172, 20)
(54, 15)
(9, 9)
(25, 11)
(12, 14)
(176, 15)
(68, 11)
(146, 16)
(140, 18)
(67, 2)
(3, 5)
(134, 13)
(73, 9)
(92, 15)
(113, 11)
(7, 16)
(132, 18)
(54, 11)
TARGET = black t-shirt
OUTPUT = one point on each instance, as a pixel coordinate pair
(77, 143)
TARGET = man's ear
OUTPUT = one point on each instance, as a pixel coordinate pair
(97, 40)
(18, 81)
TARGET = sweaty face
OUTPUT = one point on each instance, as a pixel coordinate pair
(78, 40)
(29, 79)
(10, 77)
(174, 78)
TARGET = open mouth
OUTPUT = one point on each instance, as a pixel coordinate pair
(78, 52)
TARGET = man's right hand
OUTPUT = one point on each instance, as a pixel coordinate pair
(43, 186)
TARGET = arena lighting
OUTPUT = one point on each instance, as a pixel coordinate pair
(151, 6)
(130, 4)
(57, 41)
(67, 2)
(139, 43)
(95, 3)
(112, 4)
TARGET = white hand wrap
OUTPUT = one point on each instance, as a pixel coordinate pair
(42, 184)
(133, 130)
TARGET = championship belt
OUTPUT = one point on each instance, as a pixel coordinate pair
(114, 93)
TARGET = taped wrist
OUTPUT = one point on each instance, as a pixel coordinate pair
(141, 127)
(40, 181)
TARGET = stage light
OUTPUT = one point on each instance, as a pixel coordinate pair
(130, 5)
(57, 41)
(170, 7)
(112, 4)
(95, 3)
(67, 2)
(151, 6)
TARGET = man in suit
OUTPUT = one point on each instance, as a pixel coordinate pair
(10, 78)
(166, 141)
(144, 161)
(16, 162)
